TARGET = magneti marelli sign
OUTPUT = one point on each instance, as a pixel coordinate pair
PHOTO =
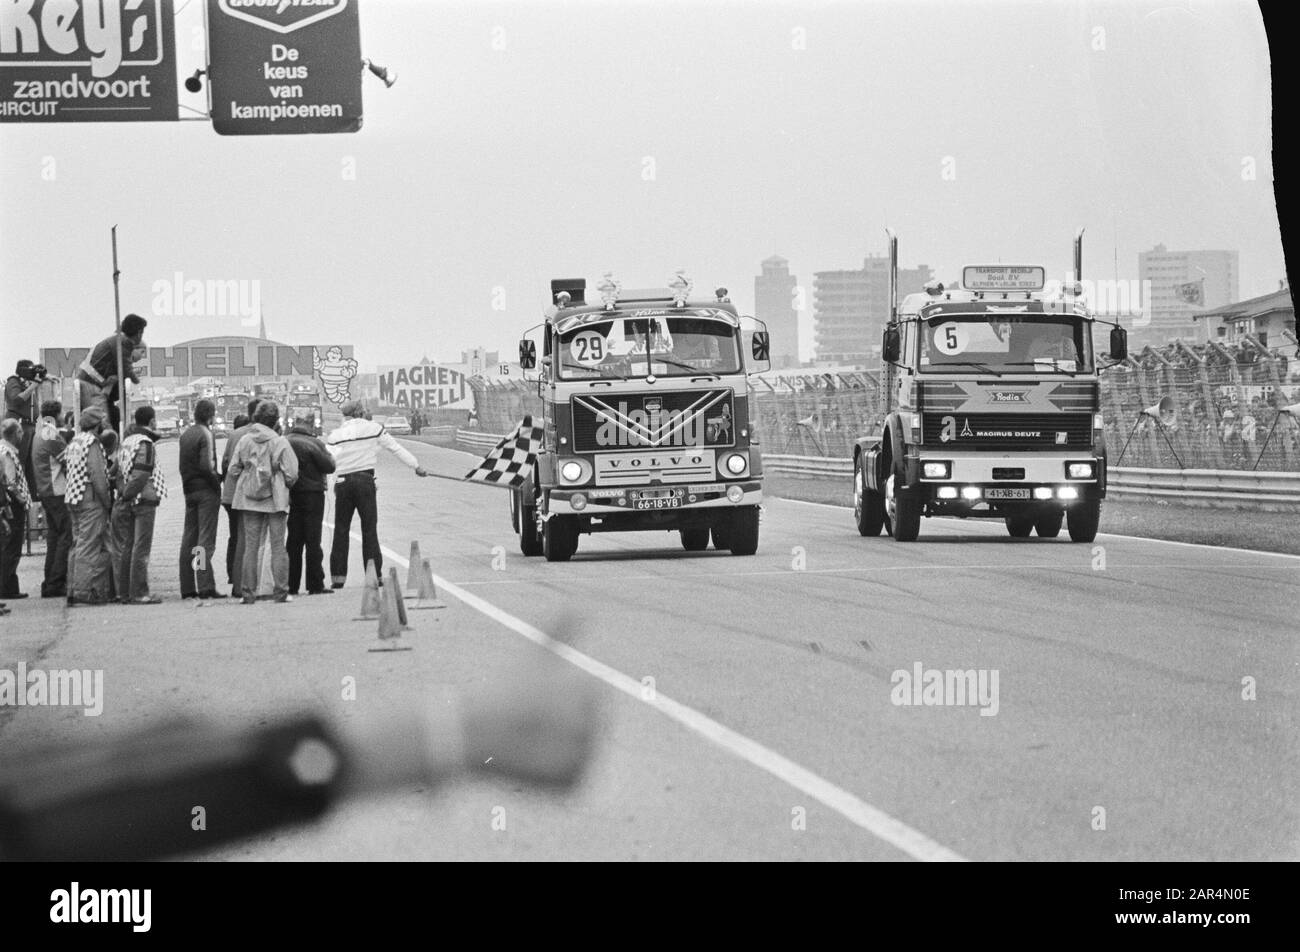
(284, 66)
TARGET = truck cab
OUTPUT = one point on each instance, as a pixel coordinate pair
(646, 419)
(992, 407)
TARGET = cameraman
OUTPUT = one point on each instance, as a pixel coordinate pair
(20, 404)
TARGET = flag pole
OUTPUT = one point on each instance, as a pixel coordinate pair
(117, 345)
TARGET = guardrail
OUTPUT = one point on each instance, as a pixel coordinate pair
(477, 440)
(1232, 489)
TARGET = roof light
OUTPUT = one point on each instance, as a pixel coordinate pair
(609, 288)
(680, 285)
(721, 294)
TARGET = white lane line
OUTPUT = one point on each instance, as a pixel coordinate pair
(875, 821)
(1109, 535)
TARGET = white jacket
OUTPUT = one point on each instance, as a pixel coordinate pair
(355, 446)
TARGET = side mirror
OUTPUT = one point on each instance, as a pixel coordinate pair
(891, 346)
(760, 345)
(527, 354)
(1118, 343)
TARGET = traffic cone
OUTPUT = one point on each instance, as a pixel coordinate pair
(369, 595)
(413, 571)
(399, 606)
(390, 626)
(428, 597)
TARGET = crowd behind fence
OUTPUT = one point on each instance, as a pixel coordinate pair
(1226, 399)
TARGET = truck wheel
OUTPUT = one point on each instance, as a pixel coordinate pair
(1019, 523)
(695, 540)
(559, 539)
(1082, 520)
(868, 505)
(744, 531)
(530, 539)
(902, 511)
(721, 533)
(1048, 523)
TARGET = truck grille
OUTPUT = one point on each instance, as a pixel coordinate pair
(653, 420)
(1007, 430)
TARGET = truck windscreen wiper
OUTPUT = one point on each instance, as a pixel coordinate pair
(1056, 366)
(605, 372)
(694, 370)
(970, 363)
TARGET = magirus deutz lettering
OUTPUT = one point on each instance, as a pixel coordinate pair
(992, 406)
(646, 419)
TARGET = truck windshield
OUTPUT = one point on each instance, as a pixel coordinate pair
(1006, 343)
(666, 346)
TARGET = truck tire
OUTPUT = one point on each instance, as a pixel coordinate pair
(744, 531)
(1019, 523)
(695, 539)
(1082, 519)
(530, 540)
(1048, 523)
(868, 505)
(559, 539)
(904, 521)
(721, 533)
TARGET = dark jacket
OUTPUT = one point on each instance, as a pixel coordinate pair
(314, 461)
(197, 454)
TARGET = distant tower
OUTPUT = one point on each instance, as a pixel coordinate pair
(261, 329)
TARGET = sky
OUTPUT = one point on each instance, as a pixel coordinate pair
(530, 140)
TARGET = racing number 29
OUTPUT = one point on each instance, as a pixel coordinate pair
(589, 348)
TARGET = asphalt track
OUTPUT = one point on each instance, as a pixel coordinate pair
(749, 705)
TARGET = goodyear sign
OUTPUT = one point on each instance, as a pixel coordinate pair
(424, 386)
(284, 66)
(87, 61)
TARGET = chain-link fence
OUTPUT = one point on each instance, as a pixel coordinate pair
(1225, 403)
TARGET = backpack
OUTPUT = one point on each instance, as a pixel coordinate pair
(256, 480)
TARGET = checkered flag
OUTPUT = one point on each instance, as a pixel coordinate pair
(511, 460)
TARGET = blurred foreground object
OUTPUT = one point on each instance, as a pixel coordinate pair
(186, 786)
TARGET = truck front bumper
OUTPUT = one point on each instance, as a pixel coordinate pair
(999, 478)
(599, 501)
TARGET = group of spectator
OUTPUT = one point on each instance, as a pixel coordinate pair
(101, 497)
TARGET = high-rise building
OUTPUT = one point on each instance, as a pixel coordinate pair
(774, 291)
(851, 308)
(1183, 284)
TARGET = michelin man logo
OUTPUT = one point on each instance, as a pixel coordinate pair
(335, 373)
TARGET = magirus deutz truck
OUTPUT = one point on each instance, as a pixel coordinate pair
(646, 419)
(992, 406)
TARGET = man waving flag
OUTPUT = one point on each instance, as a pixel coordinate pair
(511, 460)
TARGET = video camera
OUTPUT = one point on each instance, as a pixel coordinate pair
(34, 372)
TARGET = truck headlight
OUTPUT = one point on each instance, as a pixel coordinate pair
(1086, 470)
(736, 464)
(573, 471)
(936, 470)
